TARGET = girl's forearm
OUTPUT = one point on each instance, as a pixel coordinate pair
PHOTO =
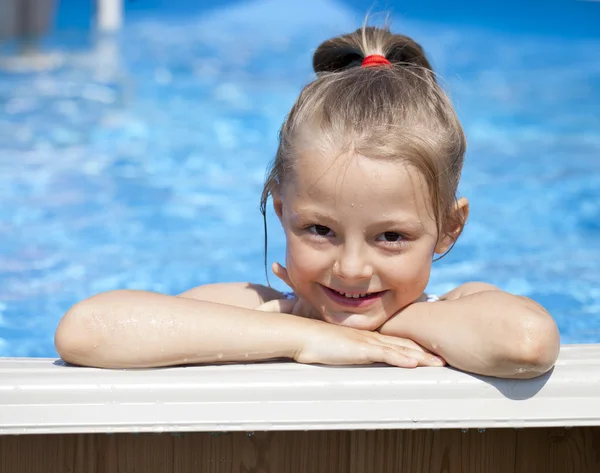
(137, 329)
(491, 333)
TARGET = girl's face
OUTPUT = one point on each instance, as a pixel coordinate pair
(360, 236)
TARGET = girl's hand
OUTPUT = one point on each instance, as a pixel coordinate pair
(336, 345)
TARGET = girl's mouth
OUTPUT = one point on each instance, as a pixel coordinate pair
(353, 299)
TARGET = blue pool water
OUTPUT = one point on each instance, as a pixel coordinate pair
(139, 162)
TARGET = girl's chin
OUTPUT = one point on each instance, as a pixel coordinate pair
(357, 321)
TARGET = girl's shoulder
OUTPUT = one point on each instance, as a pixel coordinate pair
(239, 294)
(468, 289)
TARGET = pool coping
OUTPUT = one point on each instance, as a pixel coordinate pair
(44, 395)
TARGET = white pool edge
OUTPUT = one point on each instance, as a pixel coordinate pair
(39, 396)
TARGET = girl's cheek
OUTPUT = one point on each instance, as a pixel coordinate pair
(409, 273)
(293, 255)
(303, 260)
(421, 271)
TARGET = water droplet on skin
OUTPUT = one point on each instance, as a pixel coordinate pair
(220, 356)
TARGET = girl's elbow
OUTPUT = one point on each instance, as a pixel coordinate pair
(72, 339)
(540, 342)
(79, 331)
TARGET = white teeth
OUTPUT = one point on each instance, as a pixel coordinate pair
(353, 296)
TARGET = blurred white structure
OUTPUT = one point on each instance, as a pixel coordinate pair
(109, 15)
(27, 20)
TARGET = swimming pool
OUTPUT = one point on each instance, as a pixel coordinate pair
(139, 162)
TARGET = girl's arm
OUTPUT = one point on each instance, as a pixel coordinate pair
(481, 329)
(138, 329)
(239, 294)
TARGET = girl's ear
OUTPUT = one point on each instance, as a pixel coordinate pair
(456, 223)
(277, 203)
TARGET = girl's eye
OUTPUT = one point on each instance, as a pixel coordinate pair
(320, 230)
(390, 237)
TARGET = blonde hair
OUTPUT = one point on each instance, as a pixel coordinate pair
(395, 112)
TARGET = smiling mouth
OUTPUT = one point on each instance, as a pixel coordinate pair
(354, 295)
(352, 298)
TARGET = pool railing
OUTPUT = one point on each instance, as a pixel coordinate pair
(292, 418)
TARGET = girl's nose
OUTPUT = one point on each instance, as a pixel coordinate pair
(352, 264)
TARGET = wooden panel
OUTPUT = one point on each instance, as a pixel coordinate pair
(448, 451)
(213, 453)
(555, 450)
(558, 450)
(48, 454)
(314, 452)
(137, 453)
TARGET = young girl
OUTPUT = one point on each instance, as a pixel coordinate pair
(364, 184)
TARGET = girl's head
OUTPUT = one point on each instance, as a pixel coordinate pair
(365, 179)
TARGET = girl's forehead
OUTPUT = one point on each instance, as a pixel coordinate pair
(327, 176)
(360, 189)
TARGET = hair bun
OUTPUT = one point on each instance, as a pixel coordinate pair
(349, 50)
(337, 54)
(404, 50)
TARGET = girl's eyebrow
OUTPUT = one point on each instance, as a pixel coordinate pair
(408, 224)
(307, 214)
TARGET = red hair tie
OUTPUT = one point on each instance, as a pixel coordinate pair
(375, 60)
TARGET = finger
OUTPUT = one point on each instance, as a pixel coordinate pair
(394, 357)
(433, 361)
(284, 306)
(424, 358)
(281, 273)
(400, 341)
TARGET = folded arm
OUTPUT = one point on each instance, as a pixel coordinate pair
(215, 324)
(481, 329)
(138, 329)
